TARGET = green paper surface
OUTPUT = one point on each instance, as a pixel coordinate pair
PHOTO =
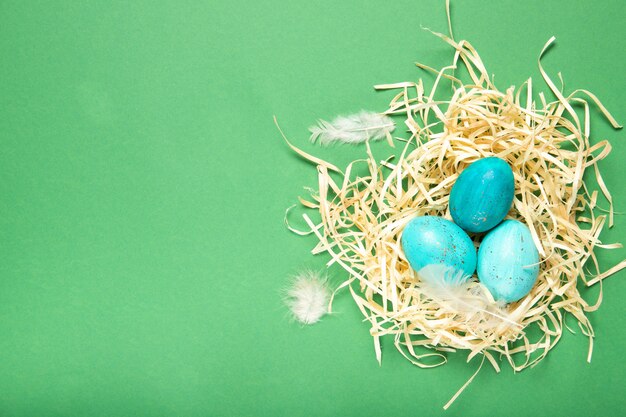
(143, 186)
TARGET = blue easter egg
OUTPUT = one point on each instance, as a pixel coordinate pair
(482, 195)
(428, 240)
(508, 261)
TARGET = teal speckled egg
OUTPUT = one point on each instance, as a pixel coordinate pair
(428, 240)
(508, 261)
(482, 195)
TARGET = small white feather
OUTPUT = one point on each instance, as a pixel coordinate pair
(459, 294)
(308, 297)
(355, 128)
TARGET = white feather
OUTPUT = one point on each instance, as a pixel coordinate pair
(308, 297)
(457, 293)
(355, 128)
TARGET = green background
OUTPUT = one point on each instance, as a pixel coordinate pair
(143, 186)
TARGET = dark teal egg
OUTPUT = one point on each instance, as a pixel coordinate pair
(428, 240)
(482, 195)
(508, 261)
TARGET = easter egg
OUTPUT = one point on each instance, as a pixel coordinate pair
(508, 261)
(428, 240)
(482, 195)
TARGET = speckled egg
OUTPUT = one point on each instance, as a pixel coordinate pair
(482, 195)
(508, 261)
(430, 240)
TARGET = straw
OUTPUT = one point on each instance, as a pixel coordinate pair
(547, 145)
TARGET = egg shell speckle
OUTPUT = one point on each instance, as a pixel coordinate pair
(428, 240)
(482, 194)
(508, 261)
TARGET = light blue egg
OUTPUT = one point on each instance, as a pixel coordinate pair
(508, 261)
(482, 195)
(428, 240)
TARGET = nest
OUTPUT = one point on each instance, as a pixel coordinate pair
(361, 217)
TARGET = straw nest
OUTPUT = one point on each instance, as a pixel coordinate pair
(361, 217)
